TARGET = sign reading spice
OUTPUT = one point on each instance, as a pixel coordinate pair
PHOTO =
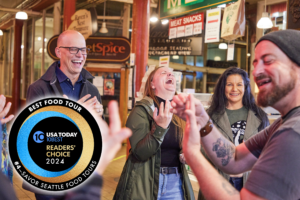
(102, 49)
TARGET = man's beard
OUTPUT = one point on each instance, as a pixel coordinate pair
(265, 99)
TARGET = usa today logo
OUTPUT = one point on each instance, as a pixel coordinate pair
(55, 144)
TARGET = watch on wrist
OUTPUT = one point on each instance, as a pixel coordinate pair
(207, 128)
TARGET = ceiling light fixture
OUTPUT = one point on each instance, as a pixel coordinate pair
(1, 32)
(175, 57)
(164, 21)
(222, 46)
(153, 19)
(103, 29)
(265, 21)
(21, 15)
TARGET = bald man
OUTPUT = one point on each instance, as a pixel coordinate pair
(67, 77)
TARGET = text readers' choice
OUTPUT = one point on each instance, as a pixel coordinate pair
(54, 144)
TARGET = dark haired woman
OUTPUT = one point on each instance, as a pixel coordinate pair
(153, 169)
(235, 113)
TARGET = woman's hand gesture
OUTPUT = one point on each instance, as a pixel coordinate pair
(164, 116)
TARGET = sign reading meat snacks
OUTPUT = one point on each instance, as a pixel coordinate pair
(186, 26)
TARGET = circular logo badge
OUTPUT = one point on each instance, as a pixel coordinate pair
(55, 144)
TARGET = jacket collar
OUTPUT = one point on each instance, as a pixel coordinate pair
(148, 104)
(50, 74)
(223, 123)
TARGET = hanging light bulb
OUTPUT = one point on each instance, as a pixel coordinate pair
(222, 46)
(21, 15)
(164, 21)
(1, 32)
(265, 21)
(103, 29)
(153, 19)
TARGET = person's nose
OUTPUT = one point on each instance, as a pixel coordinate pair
(79, 53)
(170, 74)
(234, 87)
(258, 69)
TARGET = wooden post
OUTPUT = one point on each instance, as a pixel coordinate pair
(69, 10)
(18, 24)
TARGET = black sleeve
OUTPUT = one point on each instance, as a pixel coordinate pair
(6, 189)
(33, 94)
(89, 191)
(275, 174)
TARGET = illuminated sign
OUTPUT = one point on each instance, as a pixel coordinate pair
(172, 8)
(102, 49)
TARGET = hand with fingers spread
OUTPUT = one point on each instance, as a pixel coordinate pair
(179, 106)
(164, 116)
(98, 108)
(89, 104)
(191, 139)
(4, 110)
(112, 136)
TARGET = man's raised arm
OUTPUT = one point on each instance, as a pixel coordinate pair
(222, 152)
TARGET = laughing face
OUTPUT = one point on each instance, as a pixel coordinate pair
(71, 64)
(234, 89)
(273, 73)
(163, 82)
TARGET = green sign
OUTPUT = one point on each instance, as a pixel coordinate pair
(172, 8)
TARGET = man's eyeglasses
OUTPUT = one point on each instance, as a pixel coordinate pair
(75, 50)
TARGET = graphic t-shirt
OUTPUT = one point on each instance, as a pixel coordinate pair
(238, 121)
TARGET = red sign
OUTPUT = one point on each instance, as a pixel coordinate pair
(186, 26)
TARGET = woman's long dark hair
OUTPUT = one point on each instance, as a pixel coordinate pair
(219, 101)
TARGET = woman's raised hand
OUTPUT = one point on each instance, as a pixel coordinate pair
(164, 116)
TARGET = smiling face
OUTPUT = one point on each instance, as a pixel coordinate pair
(274, 73)
(70, 64)
(234, 89)
(164, 83)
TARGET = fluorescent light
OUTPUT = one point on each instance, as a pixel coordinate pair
(21, 15)
(1, 32)
(222, 46)
(217, 58)
(175, 57)
(265, 21)
(221, 6)
(39, 38)
(153, 19)
(164, 21)
(276, 14)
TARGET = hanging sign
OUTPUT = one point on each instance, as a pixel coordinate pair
(186, 26)
(172, 8)
(230, 52)
(161, 45)
(85, 22)
(212, 28)
(164, 61)
(102, 49)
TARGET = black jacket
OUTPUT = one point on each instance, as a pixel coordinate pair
(48, 86)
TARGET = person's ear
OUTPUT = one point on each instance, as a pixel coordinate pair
(152, 86)
(57, 52)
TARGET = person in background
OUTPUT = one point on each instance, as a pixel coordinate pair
(5, 164)
(112, 138)
(153, 169)
(66, 78)
(273, 154)
(234, 112)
